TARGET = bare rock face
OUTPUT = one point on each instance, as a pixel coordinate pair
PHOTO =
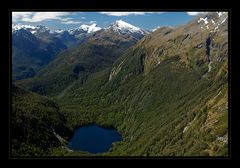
(115, 71)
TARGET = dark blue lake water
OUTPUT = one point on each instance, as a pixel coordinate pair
(93, 139)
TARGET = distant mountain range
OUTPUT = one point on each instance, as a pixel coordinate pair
(97, 50)
(118, 26)
(35, 46)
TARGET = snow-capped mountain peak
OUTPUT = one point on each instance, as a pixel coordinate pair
(123, 27)
(85, 29)
(16, 27)
(19, 26)
(32, 29)
(90, 28)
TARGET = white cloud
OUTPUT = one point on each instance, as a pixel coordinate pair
(71, 22)
(195, 13)
(39, 16)
(17, 16)
(66, 19)
(42, 16)
(126, 13)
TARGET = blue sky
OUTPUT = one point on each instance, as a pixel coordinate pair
(68, 20)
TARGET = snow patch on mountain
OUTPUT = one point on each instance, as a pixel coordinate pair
(216, 29)
(33, 31)
(156, 28)
(205, 20)
(224, 20)
(59, 31)
(220, 13)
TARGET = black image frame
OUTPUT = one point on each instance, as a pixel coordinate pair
(136, 9)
